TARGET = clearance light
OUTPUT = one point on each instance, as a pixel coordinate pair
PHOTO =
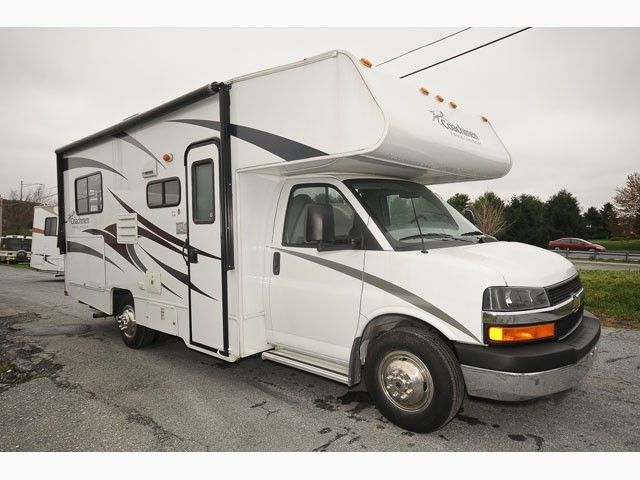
(453, 104)
(522, 334)
(424, 91)
(366, 62)
(483, 118)
(440, 98)
(167, 157)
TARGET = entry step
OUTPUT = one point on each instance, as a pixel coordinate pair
(334, 371)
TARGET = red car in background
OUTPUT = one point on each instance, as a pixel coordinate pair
(575, 244)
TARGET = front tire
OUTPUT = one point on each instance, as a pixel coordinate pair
(134, 335)
(414, 379)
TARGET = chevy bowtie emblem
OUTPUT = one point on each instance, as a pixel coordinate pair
(576, 301)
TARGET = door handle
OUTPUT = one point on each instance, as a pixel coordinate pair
(276, 263)
(193, 255)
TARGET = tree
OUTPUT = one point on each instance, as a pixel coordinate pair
(17, 215)
(459, 201)
(609, 220)
(488, 210)
(593, 224)
(627, 201)
(525, 220)
(562, 214)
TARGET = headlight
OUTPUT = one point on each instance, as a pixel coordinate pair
(505, 299)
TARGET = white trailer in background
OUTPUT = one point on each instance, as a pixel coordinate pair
(285, 213)
(45, 254)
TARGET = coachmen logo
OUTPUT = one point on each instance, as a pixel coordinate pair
(440, 117)
(73, 219)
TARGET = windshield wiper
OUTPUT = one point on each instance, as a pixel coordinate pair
(428, 235)
(474, 233)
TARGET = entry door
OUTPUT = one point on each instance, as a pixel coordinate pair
(315, 295)
(203, 254)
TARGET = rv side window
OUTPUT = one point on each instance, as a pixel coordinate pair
(50, 227)
(203, 191)
(89, 194)
(163, 193)
(295, 221)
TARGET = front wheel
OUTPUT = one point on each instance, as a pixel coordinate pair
(134, 335)
(414, 379)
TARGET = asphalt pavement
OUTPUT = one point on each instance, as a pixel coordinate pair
(69, 383)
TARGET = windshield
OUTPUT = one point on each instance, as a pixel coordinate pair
(409, 213)
(11, 244)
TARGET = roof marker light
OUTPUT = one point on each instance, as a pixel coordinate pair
(424, 91)
(366, 62)
(440, 98)
(453, 104)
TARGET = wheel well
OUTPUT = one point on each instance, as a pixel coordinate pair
(121, 297)
(384, 323)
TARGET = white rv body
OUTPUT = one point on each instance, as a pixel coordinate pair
(224, 280)
(45, 254)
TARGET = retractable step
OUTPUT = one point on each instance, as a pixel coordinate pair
(323, 368)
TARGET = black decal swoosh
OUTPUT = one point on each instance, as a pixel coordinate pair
(164, 286)
(388, 287)
(81, 162)
(178, 275)
(134, 257)
(110, 238)
(282, 147)
(132, 141)
(75, 247)
(158, 231)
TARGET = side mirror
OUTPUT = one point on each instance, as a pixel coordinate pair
(320, 225)
(468, 214)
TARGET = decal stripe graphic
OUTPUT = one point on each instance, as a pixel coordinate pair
(132, 141)
(178, 275)
(134, 257)
(81, 162)
(109, 235)
(388, 287)
(128, 252)
(157, 230)
(75, 247)
(282, 147)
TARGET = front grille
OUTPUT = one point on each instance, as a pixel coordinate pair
(568, 323)
(561, 292)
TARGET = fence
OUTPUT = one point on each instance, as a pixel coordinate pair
(617, 256)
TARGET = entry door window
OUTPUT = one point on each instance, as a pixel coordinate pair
(203, 191)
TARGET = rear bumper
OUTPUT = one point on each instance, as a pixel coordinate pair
(523, 372)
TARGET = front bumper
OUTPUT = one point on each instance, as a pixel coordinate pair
(523, 372)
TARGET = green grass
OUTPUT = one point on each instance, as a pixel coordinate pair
(619, 245)
(614, 296)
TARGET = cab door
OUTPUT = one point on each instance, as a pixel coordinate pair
(315, 291)
(203, 249)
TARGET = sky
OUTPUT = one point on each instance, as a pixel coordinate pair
(565, 101)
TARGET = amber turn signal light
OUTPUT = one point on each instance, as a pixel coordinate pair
(522, 334)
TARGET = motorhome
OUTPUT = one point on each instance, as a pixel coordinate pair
(286, 213)
(45, 254)
(15, 249)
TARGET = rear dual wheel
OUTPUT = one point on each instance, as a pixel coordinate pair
(134, 335)
(414, 379)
